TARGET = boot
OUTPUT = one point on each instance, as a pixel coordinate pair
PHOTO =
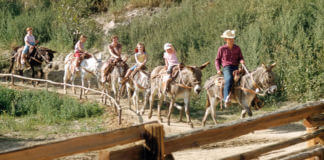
(227, 101)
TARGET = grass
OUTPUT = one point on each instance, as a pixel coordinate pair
(35, 111)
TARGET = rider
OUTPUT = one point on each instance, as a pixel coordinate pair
(229, 56)
(170, 60)
(79, 50)
(29, 43)
(115, 50)
(140, 57)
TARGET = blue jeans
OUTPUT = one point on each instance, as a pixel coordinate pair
(133, 68)
(26, 48)
(228, 77)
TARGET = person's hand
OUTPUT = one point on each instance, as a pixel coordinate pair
(219, 72)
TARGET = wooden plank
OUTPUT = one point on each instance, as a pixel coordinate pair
(78, 144)
(154, 140)
(133, 151)
(257, 152)
(222, 132)
(303, 154)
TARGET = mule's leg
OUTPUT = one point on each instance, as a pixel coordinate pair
(246, 109)
(161, 98)
(206, 115)
(72, 79)
(82, 84)
(146, 97)
(170, 109)
(65, 77)
(134, 97)
(187, 109)
(151, 102)
(213, 104)
(33, 75)
(129, 95)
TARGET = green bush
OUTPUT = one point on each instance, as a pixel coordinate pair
(48, 107)
(286, 32)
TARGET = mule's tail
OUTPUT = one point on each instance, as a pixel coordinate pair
(207, 102)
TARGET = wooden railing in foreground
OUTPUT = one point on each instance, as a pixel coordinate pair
(157, 147)
(119, 109)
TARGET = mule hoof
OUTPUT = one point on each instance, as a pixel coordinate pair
(161, 120)
(191, 125)
(168, 122)
(150, 115)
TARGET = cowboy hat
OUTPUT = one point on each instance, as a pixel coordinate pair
(228, 34)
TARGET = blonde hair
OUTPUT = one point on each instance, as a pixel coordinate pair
(29, 29)
(83, 36)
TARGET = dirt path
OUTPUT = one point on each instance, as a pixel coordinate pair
(207, 152)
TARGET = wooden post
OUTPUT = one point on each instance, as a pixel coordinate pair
(312, 124)
(154, 140)
(12, 80)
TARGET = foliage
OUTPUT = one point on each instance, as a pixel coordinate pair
(286, 32)
(44, 106)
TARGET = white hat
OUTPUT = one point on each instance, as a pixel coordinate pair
(228, 34)
(167, 46)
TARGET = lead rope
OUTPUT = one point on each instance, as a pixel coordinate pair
(253, 82)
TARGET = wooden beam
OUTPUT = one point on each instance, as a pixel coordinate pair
(303, 154)
(222, 132)
(154, 142)
(125, 152)
(257, 152)
(78, 144)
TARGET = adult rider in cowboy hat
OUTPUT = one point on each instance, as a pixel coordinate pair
(229, 56)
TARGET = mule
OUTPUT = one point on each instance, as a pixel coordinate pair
(243, 92)
(88, 68)
(114, 78)
(140, 83)
(187, 79)
(36, 59)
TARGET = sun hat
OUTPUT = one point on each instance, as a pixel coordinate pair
(228, 34)
(167, 46)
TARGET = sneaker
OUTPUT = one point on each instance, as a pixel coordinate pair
(227, 102)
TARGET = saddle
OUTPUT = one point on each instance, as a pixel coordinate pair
(19, 58)
(219, 80)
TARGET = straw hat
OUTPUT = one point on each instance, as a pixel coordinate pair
(228, 34)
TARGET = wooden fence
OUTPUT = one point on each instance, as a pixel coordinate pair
(156, 146)
(119, 109)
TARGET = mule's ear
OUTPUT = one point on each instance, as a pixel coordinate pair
(264, 66)
(272, 65)
(204, 65)
(191, 67)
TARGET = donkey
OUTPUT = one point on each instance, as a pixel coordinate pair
(116, 76)
(88, 68)
(140, 83)
(243, 93)
(36, 59)
(187, 79)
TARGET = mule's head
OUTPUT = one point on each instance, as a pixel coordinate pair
(194, 77)
(121, 67)
(266, 78)
(45, 54)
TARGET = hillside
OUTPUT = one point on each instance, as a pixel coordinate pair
(286, 32)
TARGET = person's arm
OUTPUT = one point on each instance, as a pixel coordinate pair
(80, 48)
(112, 53)
(218, 61)
(241, 59)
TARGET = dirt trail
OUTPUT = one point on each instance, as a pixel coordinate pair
(207, 152)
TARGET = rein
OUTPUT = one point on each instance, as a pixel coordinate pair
(255, 85)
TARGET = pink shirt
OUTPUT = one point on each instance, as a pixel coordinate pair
(171, 58)
(76, 47)
(226, 57)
